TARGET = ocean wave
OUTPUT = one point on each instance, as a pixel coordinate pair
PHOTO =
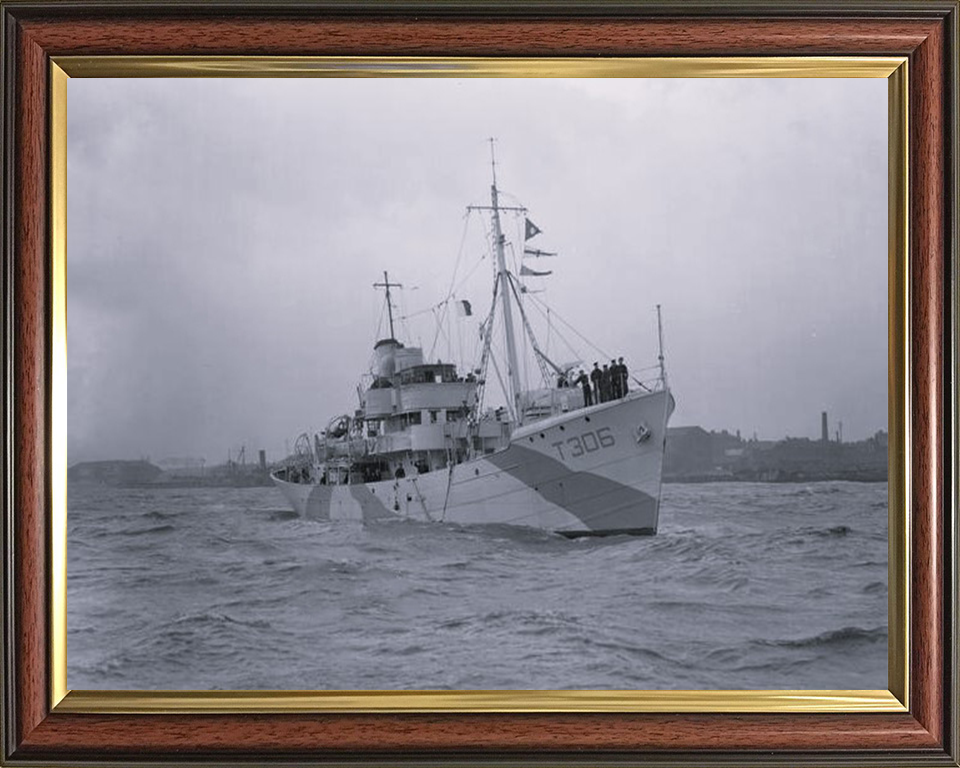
(517, 619)
(243, 594)
(633, 650)
(679, 605)
(691, 547)
(837, 530)
(157, 515)
(205, 619)
(837, 637)
(154, 530)
(833, 532)
(726, 656)
(724, 575)
(811, 539)
(804, 490)
(456, 623)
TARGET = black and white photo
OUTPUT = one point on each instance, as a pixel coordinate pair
(438, 383)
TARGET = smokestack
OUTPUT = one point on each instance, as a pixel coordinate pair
(824, 434)
(263, 460)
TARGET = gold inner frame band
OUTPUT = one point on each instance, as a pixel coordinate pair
(58, 385)
(421, 66)
(894, 69)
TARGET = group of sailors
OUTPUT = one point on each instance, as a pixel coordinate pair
(604, 384)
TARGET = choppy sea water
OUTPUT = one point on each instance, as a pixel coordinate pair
(745, 586)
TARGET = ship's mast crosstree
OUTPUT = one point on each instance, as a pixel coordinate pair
(505, 288)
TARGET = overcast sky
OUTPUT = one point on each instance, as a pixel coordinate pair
(224, 236)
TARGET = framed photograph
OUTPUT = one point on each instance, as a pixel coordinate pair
(452, 384)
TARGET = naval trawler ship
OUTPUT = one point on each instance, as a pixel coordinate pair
(423, 446)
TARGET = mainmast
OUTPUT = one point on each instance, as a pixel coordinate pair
(505, 291)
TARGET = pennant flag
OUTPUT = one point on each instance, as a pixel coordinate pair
(525, 270)
(463, 308)
(537, 252)
(530, 229)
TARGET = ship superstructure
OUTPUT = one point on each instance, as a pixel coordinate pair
(423, 446)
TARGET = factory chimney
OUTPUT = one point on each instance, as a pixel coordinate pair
(824, 434)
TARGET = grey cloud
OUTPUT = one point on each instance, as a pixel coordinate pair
(224, 235)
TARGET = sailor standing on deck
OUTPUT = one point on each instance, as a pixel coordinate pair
(624, 378)
(584, 383)
(595, 376)
(606, 390)
(614, 381)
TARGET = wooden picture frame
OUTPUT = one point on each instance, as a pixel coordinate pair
(40, 729)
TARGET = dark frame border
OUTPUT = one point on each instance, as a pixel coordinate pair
(925, 32)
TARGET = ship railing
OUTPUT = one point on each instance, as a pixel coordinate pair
(648, 379)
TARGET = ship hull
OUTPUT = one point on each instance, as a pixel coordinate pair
(593, 471)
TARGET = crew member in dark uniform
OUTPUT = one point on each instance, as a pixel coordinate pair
(596, 375)
(584, 383)
(624, 378)
(614, 381)
(605, 389)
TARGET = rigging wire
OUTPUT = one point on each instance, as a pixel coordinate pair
(483, 257)
(453, 277)
(487, 327)
(559, 317)
(503, 386)
(541, 358)
(440, 331)
(383, 308)
(635, 375)
(403, 315)
(549, 312)
(549, 329)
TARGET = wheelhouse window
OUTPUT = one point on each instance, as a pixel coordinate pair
(429, 374)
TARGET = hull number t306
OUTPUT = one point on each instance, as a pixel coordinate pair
(586, 442)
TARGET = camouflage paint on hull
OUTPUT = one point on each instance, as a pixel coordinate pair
(592, 471)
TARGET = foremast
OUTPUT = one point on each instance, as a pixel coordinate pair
(503, 276)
